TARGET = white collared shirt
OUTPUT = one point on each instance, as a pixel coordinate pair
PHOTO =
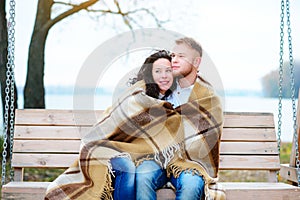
(180, 95)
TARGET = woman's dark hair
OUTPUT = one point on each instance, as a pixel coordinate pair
(145, 74)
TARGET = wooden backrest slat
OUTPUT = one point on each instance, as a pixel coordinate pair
(227, 162)
(88, 117)
(246, 119)
(249, 134)
(72, 146)
(232, 162)
(77, 132)
(50, 132)
(57, 117)
(47, 146)
(248, 148)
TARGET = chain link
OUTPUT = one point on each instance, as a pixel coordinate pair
(9, 93)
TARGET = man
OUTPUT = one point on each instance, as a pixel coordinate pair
(186, 175)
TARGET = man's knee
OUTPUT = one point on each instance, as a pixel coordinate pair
(191, 180)
(188, 182)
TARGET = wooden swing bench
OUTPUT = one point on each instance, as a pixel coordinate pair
(51, 138)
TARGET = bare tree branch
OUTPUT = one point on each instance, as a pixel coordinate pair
(74, 9)
(158, 22)
(126, 15)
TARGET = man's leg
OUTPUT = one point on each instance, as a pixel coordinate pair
(149, 177)
(188, 186)
(124, 181)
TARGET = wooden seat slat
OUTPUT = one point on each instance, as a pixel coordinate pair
(258, 190)
(234, 191)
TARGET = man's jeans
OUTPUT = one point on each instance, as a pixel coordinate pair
(124, 181)
(150, 177)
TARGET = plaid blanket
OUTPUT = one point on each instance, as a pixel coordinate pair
(144, 128)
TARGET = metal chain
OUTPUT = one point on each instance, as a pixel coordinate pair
(292, 83)
(280, 77)
(9, 91)
(11, 38)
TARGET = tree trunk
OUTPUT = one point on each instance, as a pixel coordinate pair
(34, 88)
(3, 51)
(34, 92)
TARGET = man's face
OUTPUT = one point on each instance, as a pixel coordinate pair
(183, 60)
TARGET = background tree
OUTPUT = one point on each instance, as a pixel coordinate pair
(34, 92)
(270, 82)
(3, 50)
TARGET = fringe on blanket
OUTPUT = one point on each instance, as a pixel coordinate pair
(164, 157)
(108, 188)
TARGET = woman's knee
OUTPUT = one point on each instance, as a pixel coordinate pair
(123, 164)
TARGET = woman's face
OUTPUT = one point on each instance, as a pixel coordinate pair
(162, 74)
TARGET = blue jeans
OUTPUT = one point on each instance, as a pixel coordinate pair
(124, 181)
(150, 177)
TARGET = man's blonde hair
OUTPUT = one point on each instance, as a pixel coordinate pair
(191, 43)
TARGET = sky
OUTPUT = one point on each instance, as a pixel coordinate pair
(240, 37)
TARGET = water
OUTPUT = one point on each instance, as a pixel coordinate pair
(232, 103)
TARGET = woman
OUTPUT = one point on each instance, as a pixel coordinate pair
(156, 73)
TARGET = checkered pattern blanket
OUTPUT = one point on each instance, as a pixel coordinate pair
(143, 128)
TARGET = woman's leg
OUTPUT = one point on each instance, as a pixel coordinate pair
(188, 186)
(124, 181)
(149, 177)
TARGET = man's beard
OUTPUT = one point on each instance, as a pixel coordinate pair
(183, 74)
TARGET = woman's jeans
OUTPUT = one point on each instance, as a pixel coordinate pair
(150, 177)
(124, 181)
